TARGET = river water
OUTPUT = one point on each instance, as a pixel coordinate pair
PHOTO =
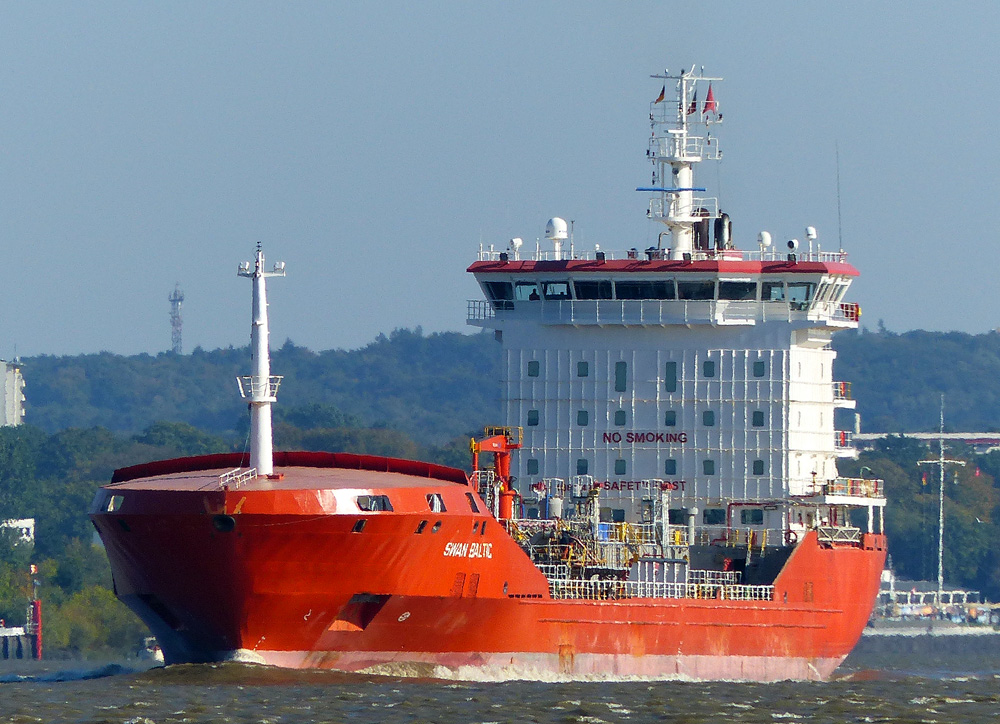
(887, 679)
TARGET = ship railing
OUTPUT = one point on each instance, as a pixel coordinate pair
(705, 576)
(842, 391)
(854, 487)
(554, 571)
(686, 147)
(654, 254)
(838, 534)
(843, 439)
(236, 478)
(676, 209)
(616, 589)
(258, 388)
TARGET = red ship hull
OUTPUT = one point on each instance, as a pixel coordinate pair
(280, 573)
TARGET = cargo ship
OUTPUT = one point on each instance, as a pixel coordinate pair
(662, 499)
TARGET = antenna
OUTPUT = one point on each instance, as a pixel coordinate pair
(175, 300)
(840, 231)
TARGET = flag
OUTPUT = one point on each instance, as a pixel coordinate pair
(978, 472)
(663, 94)
(923, 480)
(710, 104)
(693, 108)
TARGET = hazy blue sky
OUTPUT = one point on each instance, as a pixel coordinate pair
(372, 146)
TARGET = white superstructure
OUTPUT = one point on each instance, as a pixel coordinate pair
(691, 374)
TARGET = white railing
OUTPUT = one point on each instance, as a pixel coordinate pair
(608, 590)
(770, 254)
(702, 576)
(640, 312)
(843, 439)
(236, 478)
(257, 388)
(842, 391)
(829, 534)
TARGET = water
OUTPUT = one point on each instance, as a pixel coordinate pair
(921, 680)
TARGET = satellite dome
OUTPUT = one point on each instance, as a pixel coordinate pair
(556, 229)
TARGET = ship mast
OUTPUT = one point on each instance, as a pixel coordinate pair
(680, 139)
(260, 388)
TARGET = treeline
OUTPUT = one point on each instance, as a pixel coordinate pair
(432, 388)
(53, 478)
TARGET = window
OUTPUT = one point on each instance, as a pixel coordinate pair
(435, 503)
(670, 418)
(500, 293)
(472, 502)
(758, 467)
(708, 368)
(612, 515)
(619, 467)
(759, 368)
(670, 377)
(621, 370)
(752, 516)
(644, 290)
(619, 418)
(359, 525)
(555, 290)
(696, 290)
(800, 291)
(708, 467)
(533, 368)
(582, 418)
(670, 466)
(677, 516)
(714, 516)
(582, 369)
(708, 418)
(738, 291)
(772, 292)
(531, 467)
(758, 418)
(374, 502)
(532, 418)
(593, 290)
(582, 466)
(526, 291)
(420, 526)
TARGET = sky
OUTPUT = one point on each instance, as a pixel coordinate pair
(373, 146)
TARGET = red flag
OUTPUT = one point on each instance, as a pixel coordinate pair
(978, 472)
(923, 480)
(693, 108)
(710, 104)
(663, 94)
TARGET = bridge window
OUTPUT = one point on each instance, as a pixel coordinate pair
(708, 467)
(758, 418)
(752, 516)
(670, 466)
(435, 503)
(531, 467)
(772, 292)
(620, 418)
(526, 291)
(758, 467)
(759, 368)
(582, 418)
(738, 291)
(499, 291)
(374, 502)
(708, 368)
(534, 368)
(582, 369)
(619, 467)
(696, 290)
(472, 503)
(708, 418)
(532, 418)
(555, 290)
(582, 466)
(593, 290)
(800, 291)
(670, 418)
(645, 290)
(677, 516)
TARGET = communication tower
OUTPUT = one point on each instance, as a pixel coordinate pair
(175, 300)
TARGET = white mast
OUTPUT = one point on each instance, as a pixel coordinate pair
(260, 388)
(674, 150)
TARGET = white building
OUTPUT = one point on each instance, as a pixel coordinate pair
(12, 402)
